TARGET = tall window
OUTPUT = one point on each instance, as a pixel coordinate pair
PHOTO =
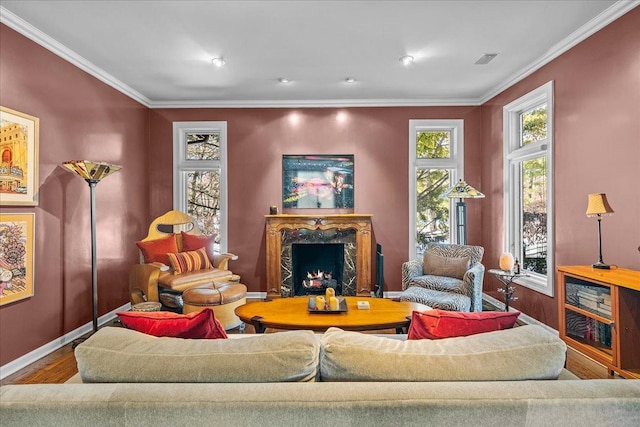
(436, 160)
(528, 142)
(200, 176)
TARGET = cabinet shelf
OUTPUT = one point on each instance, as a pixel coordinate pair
(597, 312)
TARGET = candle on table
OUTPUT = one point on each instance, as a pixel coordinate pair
(506, 262)
(334, 304)
(320, 302)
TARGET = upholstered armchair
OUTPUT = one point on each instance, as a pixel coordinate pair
(448, 277)
(172, 260)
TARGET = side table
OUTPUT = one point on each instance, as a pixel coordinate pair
(506, 277)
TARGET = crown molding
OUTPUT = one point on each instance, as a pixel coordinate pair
(29, 31)
(316, 103)
(605, 18)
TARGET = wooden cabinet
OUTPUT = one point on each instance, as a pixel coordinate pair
(599, 315)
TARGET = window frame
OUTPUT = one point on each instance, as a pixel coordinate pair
(455, 165)
(513, 157)
(182, 166)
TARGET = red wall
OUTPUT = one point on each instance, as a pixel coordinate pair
(257, 139)
(597, 150)
(80, 118)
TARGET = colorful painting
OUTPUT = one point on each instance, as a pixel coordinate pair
(19, 158)
(317, 181)
(16, 257)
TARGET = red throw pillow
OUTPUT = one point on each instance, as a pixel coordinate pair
(201, 324)
(192, 242)
(157, 250)
(436, 324)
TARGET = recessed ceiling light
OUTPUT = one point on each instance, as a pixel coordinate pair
(486, 58)
(284, 80)
(218, 62)
(350, 80)
(406, 60)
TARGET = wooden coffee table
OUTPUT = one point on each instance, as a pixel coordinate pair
(293, 313)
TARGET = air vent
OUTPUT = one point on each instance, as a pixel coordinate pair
(486, 58)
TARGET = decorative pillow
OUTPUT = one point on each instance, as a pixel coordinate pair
(201, 324)
(445, 266)
(191, 242)
(157, 250)
(184, 262)
(436, 324)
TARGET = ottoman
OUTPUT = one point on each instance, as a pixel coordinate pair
(437, 299)
(222, 297)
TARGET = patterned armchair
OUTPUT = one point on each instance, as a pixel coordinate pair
(448, 277)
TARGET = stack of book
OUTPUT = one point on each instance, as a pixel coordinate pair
(595, 300)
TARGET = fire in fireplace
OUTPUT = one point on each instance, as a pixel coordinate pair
(316, 267)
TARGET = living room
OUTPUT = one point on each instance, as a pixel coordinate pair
(596, 83)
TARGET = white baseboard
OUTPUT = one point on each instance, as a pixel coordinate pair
(39, 353)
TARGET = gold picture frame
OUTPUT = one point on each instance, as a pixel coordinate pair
(16, 257)
(19, 135)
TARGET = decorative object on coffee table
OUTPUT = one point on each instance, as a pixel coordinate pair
(599, 206)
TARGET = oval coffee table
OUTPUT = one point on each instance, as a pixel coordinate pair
(293, 313)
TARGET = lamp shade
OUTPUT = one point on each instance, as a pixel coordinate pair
(90, 170)
(462, 190)
(598, 205)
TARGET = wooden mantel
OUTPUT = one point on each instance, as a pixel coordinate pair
(361, 223)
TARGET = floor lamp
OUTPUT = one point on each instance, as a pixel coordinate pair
(92, 172)
(462, 191)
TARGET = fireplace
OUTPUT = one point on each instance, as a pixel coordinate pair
(317, 266)
(347, 237)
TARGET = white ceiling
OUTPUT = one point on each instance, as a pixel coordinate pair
(159, 52)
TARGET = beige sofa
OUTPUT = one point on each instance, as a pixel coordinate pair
(338, 378)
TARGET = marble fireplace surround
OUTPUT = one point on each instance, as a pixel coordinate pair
(351, 229)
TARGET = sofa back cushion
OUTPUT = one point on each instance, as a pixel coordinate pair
(116, 354)
(524, 353)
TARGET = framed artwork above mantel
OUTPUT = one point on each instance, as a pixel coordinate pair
(318, 181)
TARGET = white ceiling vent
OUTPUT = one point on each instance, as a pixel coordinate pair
(486, 58)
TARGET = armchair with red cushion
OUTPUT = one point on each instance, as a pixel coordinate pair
(174, 257)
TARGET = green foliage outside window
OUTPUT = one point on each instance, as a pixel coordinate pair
(432, 212)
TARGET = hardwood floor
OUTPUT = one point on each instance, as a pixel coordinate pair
(60, 365)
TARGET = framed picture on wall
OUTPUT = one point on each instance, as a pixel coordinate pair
(318, 181)
(16, 257)
(19, 158)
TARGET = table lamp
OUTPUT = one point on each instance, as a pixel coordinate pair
(599, 206)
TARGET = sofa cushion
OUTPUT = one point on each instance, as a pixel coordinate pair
(116, 354)
(180, 282)
(157, 250)
(436, 324)
(437, 265)
(524, 353)
(202, 324)
(185, 262)
(191, 242)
